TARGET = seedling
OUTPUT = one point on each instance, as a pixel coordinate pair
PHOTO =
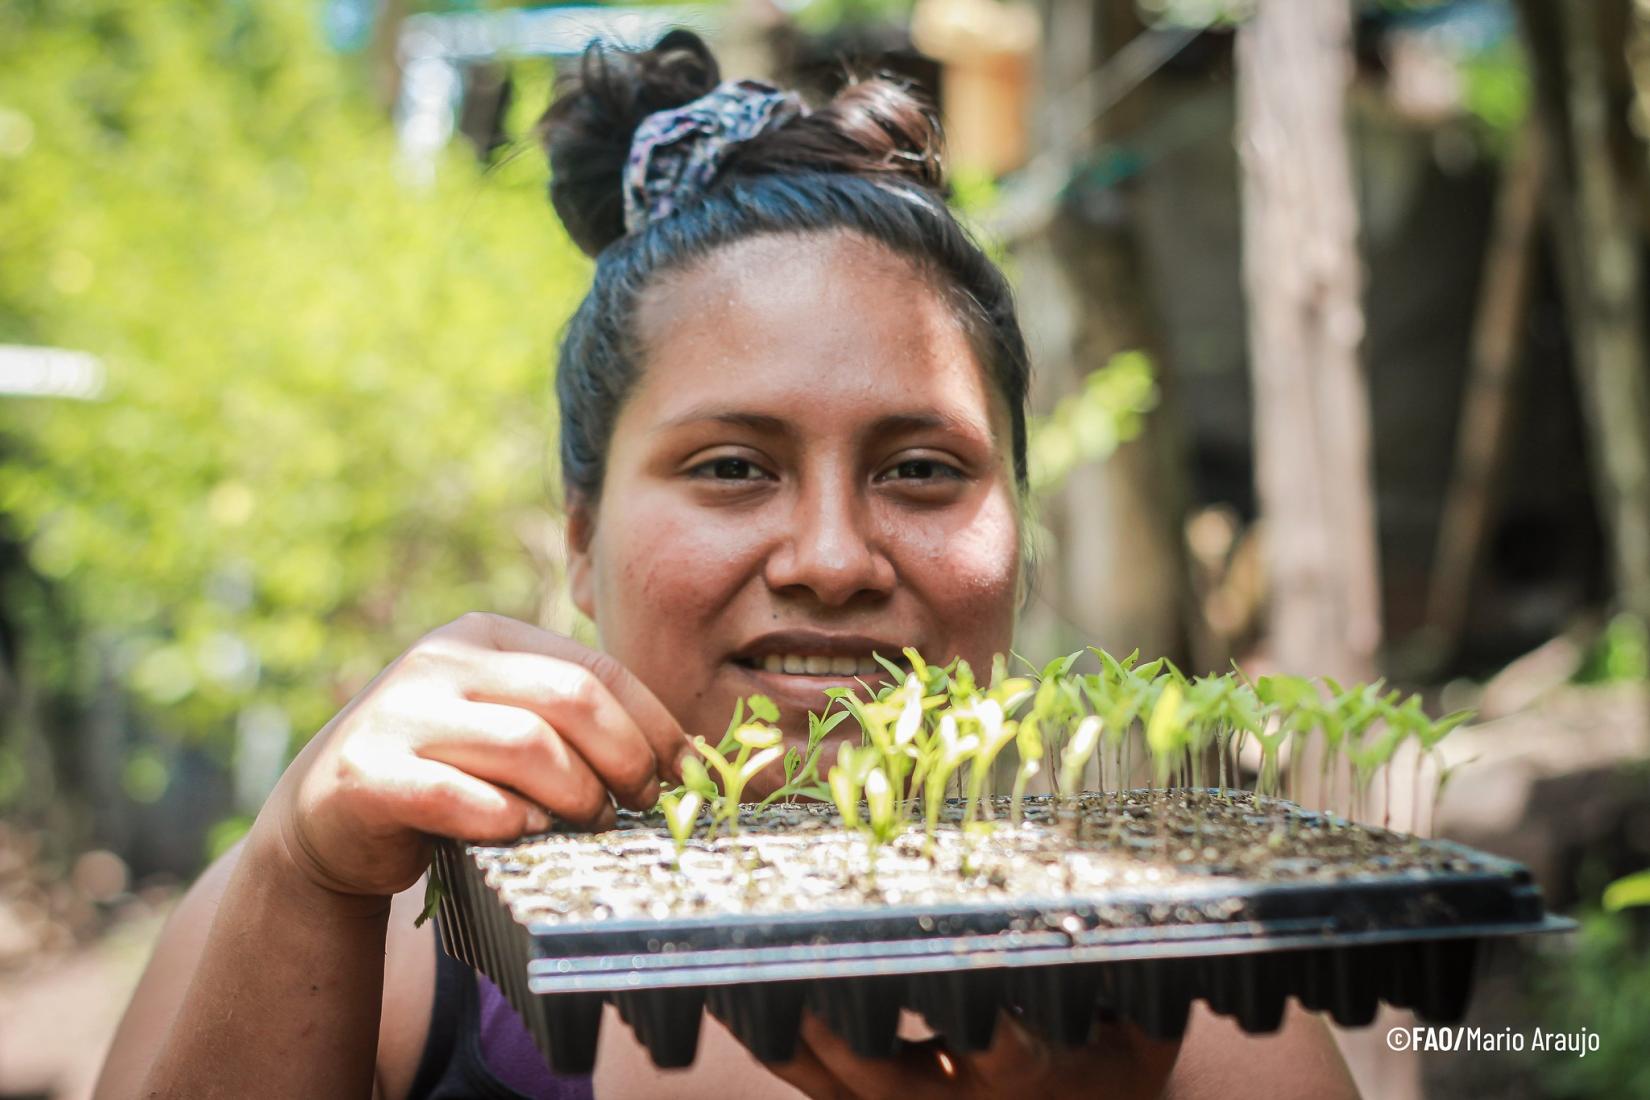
(932, 730)
(755, 745)
(681, 814)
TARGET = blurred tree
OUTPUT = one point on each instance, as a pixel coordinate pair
(1306, 322)
(328, 404)
(1116, 573)
(1581, 81)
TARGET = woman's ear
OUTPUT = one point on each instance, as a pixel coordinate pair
(581, 535)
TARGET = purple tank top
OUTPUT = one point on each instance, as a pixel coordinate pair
(509, 1051)
(478, 1047)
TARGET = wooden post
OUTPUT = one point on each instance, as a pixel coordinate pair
(1487, 403)
(1304, 286)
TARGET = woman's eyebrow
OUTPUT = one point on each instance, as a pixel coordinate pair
(891, 424)
(930, 420)
(738, 418)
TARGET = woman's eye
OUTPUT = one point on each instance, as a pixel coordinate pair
(729, 469)
(923, 469)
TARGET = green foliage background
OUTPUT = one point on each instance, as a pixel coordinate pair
(328, 425)
(328, 403)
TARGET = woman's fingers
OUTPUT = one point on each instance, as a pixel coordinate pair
(654, 720)
(831, 1068)
(513, 747)
(1124, 1057)
(1119, 1061)
(1015, 1054)
(443, 800)
(581, 709)
(808, 1075)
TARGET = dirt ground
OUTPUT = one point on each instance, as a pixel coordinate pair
(58, 1013)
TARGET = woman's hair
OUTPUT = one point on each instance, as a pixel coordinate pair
(870, 161)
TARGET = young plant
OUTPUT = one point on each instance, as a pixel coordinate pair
(947, 754)
(995, 732)
(1166, 732)
(846, 780)
(1030, 743)
(801, 767)
(1079, 750)
(755, 745)
(681, 815)
(881, 807)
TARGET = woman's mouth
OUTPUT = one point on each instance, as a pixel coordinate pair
(813, 664)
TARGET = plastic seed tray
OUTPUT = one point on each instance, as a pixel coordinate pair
(1405, 926)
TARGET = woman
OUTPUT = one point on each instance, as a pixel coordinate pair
(793, 433)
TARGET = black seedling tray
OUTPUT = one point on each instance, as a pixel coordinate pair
(1061, 964)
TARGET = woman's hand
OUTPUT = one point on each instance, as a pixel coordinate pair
(475, 732)
(1120, 1063)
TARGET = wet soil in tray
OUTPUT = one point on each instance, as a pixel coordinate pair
(1126, 904)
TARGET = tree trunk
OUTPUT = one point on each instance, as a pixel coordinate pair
(1303, 282)
(1116, 574)
(1488, 404)
(1598, 249)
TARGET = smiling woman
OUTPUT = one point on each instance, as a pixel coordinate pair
(850, 493)
(793, 432)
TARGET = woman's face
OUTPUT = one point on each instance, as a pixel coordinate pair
(813, 465)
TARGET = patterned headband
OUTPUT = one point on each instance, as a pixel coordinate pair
(676, 153)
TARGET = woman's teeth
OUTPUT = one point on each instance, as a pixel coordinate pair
(799, 665)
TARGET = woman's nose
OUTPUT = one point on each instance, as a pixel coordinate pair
(830, 548)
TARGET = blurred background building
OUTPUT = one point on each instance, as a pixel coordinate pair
(1338, 317)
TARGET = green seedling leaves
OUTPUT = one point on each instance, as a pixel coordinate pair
(694, 776)
(909, 722)
(880, 805)
(1166, 731)
(1060, 666)
(753, 767)
(931, 726)
(1629, 892)
(1434, 732)
(1078, 752)
(434, 891)
(681, 814)
(755, 736)
(845, 782)
(1030, 743)
(894, 671)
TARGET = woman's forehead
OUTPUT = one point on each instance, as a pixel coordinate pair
(804, 325)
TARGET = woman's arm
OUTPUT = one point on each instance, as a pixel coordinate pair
(262, 984)
(269, 979)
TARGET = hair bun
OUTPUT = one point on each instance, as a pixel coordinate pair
(876, 128)
(588, 127)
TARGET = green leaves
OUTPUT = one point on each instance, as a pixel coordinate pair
(762, 707)
(324, 430)
(934, 728)
(1078, 752)
(681, 814)
(746, 749)
(1626, 893)
(1166, 731)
